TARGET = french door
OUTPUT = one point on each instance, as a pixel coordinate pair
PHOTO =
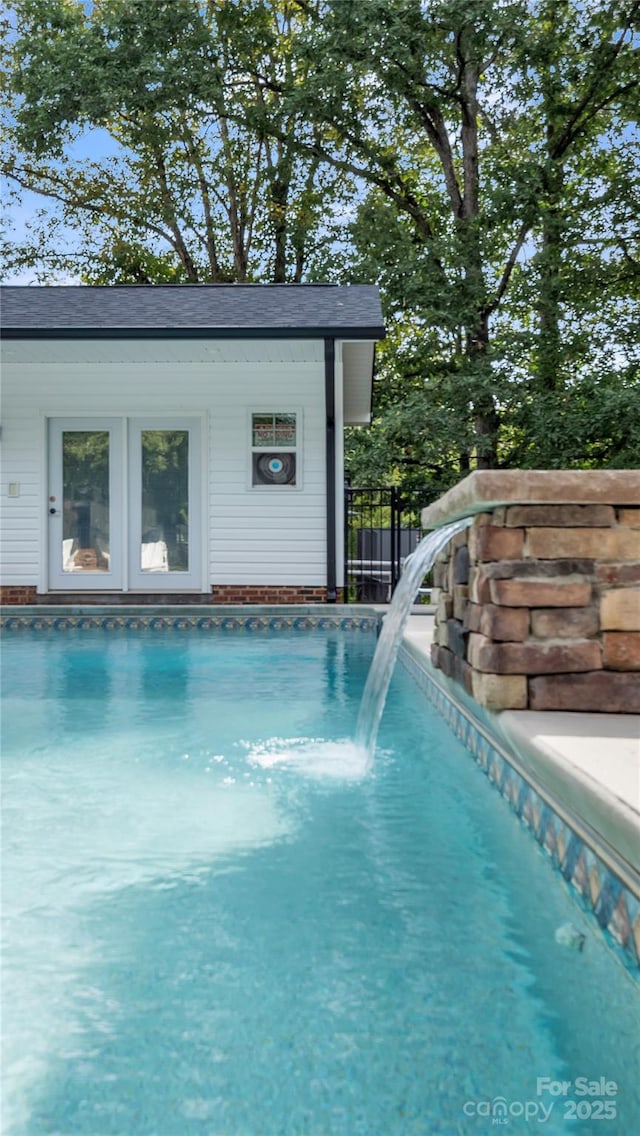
(125, 504)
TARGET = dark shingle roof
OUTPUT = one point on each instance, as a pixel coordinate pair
(216, 310)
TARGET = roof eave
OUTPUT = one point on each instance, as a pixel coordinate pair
(369, 333)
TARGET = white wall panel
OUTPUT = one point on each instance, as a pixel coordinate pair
(267, 535)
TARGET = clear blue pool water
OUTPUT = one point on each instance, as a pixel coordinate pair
(219, 926)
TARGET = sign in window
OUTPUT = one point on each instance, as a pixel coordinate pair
(274, 442)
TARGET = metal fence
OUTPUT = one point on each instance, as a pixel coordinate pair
(382, 528)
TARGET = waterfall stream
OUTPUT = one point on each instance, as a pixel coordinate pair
(375, 691)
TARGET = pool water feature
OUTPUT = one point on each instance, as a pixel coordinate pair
(222, 921)
(414, 571)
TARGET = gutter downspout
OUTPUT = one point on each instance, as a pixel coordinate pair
(330, 407)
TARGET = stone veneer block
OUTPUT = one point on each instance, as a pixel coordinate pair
(479, 586)
(440, 574)
(622, 574)
(495, 517)
(445, 608)
(444, 661)
(621, 650)
(486, 489)
(606, 692)
(503, 624)
(552, 516)
(620, 610)
(599, 544)
(564, 623)
(460, 600)
(441, 633)
(499, 692)
(461, 565)
(533, 658)
(510, 624)
(629, 517)
(487, 542)
(452, 666)
(457, 638)
(473, 617)
(561, 592)
(458, 540)
(459, 670)
(539, 569)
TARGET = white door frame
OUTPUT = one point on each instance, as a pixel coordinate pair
(124, 572)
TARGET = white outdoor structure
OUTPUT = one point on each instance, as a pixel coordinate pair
(180, 439)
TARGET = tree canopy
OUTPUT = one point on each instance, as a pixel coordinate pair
(475, 158)
(203, 179)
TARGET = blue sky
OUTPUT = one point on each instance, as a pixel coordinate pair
(94, 144)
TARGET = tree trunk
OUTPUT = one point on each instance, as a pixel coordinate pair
(486, 420)
(486, 417)
(549, 363)
(279, 195)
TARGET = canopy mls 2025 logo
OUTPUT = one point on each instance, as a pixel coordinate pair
(580, 1099)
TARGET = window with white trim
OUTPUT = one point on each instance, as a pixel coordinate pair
(275, 449)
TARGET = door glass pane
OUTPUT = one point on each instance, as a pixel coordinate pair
(85, 501)
(165, 501)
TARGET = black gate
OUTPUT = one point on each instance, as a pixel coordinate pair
(381, 529)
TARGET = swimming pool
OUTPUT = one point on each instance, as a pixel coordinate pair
(218, 926)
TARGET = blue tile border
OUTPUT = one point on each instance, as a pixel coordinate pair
(592, 883)
(155, 621)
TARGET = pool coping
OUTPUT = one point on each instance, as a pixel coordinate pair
(149, 609)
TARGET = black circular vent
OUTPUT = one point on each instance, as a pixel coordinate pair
(274, 469)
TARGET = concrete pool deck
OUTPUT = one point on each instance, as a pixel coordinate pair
(590, 763)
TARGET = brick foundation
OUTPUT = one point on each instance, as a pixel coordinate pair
(267, 594)
(15, 594)
(220, 594)
(538, 605)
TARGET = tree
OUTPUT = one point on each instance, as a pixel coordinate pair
(472, 156)
(481, 128)
(186, 191)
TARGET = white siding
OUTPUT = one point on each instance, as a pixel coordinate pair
(265, 536)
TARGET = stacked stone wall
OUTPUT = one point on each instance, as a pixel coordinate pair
(538, 607)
